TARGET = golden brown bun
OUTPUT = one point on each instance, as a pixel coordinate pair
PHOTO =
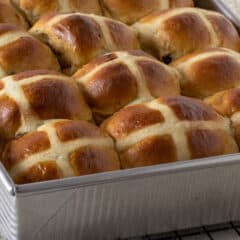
(59, 149)
(131, 11)
(167, 130)
(34, 9)
(8, 14)
(117, 79)
(28, 99)
(207, 72)
(173, 33)
(19, 51)
(227, 103)
(77, 38)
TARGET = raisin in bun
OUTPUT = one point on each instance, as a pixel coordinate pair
(173, 33)
(60, 149)
(206, 72)
(118, 79)
(19, 51)
(77, 38)
(28, 99)
(131, 11)
(167, 130)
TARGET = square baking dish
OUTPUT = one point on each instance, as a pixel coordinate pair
(127, 203)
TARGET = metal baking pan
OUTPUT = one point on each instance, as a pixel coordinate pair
(125, 203)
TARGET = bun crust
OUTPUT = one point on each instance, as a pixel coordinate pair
(118, 79)
(8, 14)
(207, 72)
(59, 149)
(168, 130)
(29, 98)
(34, 9)
(78, 38)
(173, 33)
(132, 10)
(19, 52)
(49, 122)
(227, 103)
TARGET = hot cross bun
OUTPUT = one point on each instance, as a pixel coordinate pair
(28, 99)
(131, 11)
(34, 9)
(8, 14)
(173, 33)
(77, 38)
(227, 103)
(60, 149)
(19, 51)
(207, 72)
(167, 130)
(117, 79)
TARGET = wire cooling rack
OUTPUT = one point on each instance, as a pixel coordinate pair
(229, 231)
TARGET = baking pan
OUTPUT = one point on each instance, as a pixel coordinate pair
(125, 203)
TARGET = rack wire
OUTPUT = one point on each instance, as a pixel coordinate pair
(229, 231)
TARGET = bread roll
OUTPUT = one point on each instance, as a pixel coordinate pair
(19, 51)
(8, 14)
(34, 9)
(171, 34)
(131, 11)
(117, 79)
(207, 72)
(28, 99)
(167, 130)
(227, 103)
(78, 38)
(60, 149)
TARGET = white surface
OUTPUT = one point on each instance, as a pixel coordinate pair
(220, 235)
(223, 235)
(234, 5)
(198, 237)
